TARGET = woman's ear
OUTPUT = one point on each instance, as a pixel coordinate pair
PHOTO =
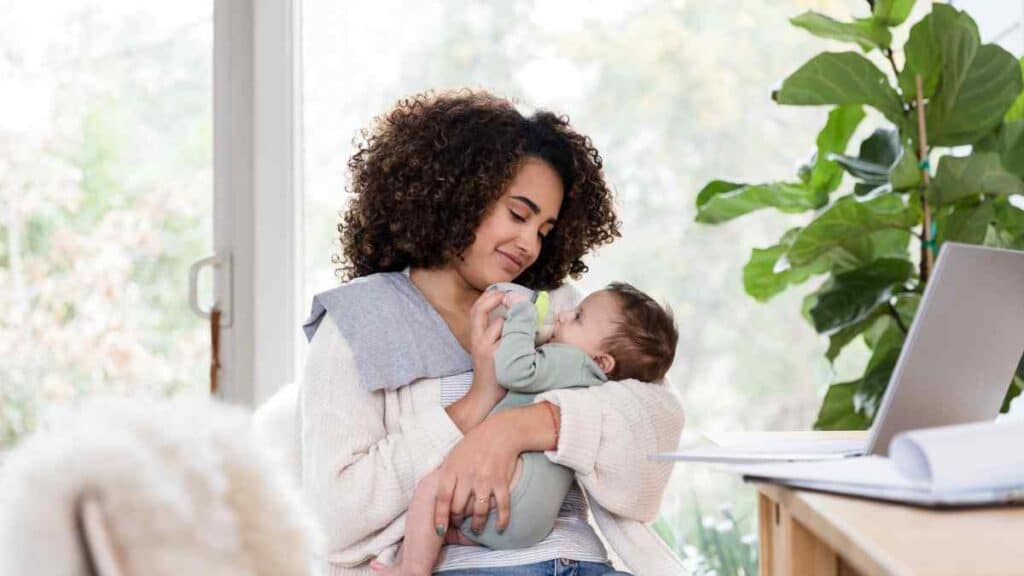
(605, 362)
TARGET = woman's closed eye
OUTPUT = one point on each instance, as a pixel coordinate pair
(522, 220)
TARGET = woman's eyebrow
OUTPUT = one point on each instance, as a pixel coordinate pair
(532, 206)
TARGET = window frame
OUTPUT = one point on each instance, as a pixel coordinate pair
(257, 194)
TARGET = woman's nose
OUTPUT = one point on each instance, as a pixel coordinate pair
(529, 244)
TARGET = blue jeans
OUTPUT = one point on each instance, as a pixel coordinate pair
(559, 567)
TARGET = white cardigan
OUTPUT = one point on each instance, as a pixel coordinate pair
(363, 452)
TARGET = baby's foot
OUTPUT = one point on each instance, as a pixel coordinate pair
(396, 570)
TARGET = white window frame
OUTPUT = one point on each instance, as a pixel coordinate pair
(257, 194)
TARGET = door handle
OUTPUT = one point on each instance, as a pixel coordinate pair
(222, 266)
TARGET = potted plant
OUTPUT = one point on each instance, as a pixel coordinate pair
(945, 163)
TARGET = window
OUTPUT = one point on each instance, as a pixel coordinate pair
(105, 199)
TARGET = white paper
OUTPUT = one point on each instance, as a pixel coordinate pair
(944, 460)
(963, 457)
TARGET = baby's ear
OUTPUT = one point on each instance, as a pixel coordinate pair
(605, 362)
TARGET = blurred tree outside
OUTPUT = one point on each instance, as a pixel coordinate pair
(105, 200)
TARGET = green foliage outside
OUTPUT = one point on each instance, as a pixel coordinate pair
(868, 244)
(105, 200)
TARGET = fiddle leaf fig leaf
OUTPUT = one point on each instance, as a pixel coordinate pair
(970, 176)
(855, 295)
(720, 201)
(978, 83)
(848, 217)
(867, 33)
(841, 78)
(891, 12)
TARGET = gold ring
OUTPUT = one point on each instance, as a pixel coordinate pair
(484, 500)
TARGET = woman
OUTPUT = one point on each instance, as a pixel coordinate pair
(452, 193)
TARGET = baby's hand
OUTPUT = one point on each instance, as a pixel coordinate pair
(513, 298)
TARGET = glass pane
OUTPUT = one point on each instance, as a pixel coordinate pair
(105, 199)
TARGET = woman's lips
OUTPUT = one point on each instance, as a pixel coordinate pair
(510, 263)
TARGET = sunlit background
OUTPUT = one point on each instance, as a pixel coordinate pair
(106, 187)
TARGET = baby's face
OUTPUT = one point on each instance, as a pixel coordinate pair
(589, 323)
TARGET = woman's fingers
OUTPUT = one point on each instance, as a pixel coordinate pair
(443, 503)
(460, 509)
(501, 495)
(481, 508)
(493, 333)
(460, 500)
(483, 306)
(455, 536)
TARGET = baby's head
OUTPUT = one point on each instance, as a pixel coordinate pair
(625, 331)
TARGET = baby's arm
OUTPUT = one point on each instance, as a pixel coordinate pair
(522, 368)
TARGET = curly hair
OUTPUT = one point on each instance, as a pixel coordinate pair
(427, 172)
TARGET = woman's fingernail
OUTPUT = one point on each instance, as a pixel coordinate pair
(440, 529)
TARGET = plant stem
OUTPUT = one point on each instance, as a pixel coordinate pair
(896, 316)
(927, 257)
(892, 61)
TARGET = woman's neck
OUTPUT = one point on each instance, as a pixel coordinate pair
(445, 289)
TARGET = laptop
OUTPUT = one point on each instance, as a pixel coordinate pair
(956, 364)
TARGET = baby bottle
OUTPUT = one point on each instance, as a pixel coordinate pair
(545, 312)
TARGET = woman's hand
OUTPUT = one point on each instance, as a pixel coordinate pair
(485, 392)
(477, 470)
(484, 339)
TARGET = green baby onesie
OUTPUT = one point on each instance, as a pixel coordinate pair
(526, 371)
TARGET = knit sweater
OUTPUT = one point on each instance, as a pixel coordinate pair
(362, 454)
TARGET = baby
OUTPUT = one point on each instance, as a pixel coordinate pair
(615, 333)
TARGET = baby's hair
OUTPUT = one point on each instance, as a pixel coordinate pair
(644, 342)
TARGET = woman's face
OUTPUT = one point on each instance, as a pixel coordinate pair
(508, 239)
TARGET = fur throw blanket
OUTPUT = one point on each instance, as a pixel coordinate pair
(183, 485)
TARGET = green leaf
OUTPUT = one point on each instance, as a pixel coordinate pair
(855, 295)
(837, 411)
(1016, 111)
(1009, 224)
(906, 306)
(886, 347)
(866, 32)
(763, 278)
(720, 201)
(891, 12)
(978, 83)
(842, 122)
(905, 173)
(963, 177)
(1016, 385)
(867, 172)
(1009, 217)
(848, 218)
(840, 338)
(884, 164)
(967, 224)
(878, 152)
(841, 78)
(922, 57)
(871, 387)
(1011, 147)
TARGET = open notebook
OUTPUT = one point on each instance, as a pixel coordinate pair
(961, 465)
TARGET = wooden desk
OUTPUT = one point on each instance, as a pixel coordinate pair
(806, 533)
